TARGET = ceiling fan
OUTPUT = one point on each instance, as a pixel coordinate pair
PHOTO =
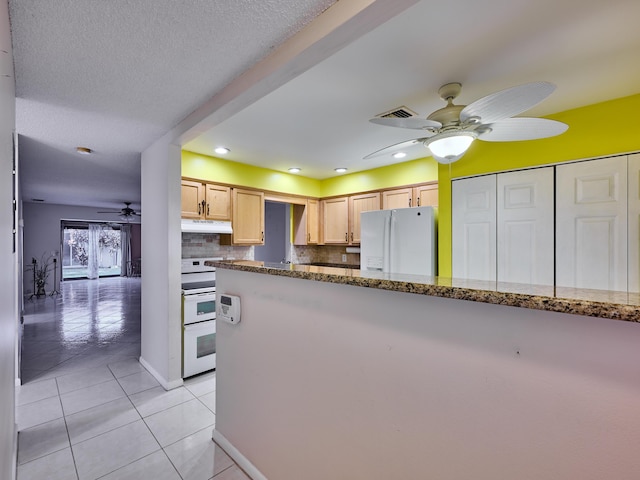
(126, 213)
(449, 131)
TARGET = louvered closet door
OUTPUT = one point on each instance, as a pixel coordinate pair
(525, 226)
(591, 224)
(473, 228)
(634, 222)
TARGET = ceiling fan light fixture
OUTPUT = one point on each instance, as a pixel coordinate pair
(449, 147)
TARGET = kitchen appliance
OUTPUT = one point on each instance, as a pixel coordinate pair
(401, 240)
(198, 316)
(205, 226)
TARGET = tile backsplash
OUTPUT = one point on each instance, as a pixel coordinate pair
(195, 245)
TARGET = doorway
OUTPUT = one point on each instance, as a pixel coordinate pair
(277, 233)
(79, 239)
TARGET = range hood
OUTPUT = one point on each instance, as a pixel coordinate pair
(206, 226)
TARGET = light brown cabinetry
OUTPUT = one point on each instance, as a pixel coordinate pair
(420, 196)
(306, 223)
(247, 217)
(341, 217)
(357, 205)
(205, 201)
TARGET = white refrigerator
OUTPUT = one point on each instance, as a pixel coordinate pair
(402, 240)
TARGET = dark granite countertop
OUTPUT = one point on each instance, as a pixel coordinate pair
(594, 303)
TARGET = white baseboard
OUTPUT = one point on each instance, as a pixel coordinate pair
(163, 381)
(242, 461)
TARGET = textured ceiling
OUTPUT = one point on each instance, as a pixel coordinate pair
(116, 75)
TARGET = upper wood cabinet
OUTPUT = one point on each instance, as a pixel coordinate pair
(248, 217)
(205, 201)
(341, 217)
(335, 220)
(357, 205)
(420, 196)
(306, 222)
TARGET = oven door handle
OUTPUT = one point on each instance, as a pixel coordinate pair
(201, 326)
(196, 296)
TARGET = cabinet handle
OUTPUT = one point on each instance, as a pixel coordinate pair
(418, 201)
(308, 237)
(346, 237)
(409, 202)
(352, 237)
(262, 236)
(207, 209)
(199, 211)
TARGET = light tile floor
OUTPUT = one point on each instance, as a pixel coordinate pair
(87, 408)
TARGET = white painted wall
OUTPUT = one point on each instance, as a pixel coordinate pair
(161, 241)
(330, 381)
(42, 231)
(8, 259)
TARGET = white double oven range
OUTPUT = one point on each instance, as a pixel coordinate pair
(198, 316)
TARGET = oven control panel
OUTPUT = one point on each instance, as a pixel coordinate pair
(228, 308)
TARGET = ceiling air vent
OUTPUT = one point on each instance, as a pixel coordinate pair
(400, 112)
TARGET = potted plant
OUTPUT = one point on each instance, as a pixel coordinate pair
(40, 272)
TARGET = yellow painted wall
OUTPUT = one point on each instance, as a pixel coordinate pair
(597, 130)
(406, 173)
(217, 170)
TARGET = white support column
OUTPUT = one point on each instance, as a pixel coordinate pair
(161, 243)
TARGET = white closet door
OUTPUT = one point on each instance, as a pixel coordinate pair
(591, 224)
(473, 228)
(525, 226)
(634, 222)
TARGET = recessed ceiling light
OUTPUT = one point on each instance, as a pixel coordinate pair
(84, 150)
(294, 170)
(340, 169)
(222, 150)
(399, 155)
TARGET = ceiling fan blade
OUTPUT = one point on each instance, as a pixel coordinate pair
(391, 149)
(519, 128)
(415, 123)
(507, 103)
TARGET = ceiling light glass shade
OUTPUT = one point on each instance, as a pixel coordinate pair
(449, 147)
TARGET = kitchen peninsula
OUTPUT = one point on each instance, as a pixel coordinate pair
(359, 375)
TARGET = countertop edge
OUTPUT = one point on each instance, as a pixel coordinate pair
(346, 276)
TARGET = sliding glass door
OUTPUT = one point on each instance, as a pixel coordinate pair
(86, 255)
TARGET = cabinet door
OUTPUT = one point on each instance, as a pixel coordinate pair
(306, 223)
(473, 228)
(359, 204)
(335, 220)
(313, 221)
(634, 222)
(400, 198)
(192, 197)
(248, 217)
(218, 200)
(591, 224)
(525, 210)
(426, 195)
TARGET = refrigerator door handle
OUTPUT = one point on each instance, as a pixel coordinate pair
(388, 243)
